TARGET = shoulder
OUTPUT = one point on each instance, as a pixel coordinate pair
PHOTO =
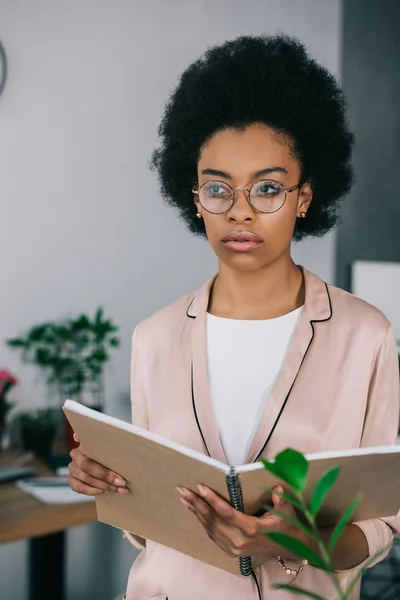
(166, 322)
(352, 311)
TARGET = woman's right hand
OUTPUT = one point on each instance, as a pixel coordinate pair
(90, 478)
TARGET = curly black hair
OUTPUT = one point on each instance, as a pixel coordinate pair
(263, 79)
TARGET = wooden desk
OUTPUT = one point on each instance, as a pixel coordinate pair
(22, 516)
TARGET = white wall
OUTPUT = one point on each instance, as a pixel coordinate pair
(82, 221)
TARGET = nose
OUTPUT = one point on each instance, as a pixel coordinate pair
(241, 211)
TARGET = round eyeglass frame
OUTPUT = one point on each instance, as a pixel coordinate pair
(196, 190)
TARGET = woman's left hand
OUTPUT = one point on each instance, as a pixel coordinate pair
(235, 533)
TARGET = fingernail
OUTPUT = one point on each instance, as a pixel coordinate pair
(184, 502)
(122, 490)
(181, 491)
(280, 491)
(202, 490)
(119, 482)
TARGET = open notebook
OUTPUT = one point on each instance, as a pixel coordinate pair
(154, 466)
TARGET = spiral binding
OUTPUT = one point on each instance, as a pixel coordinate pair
(236, 497)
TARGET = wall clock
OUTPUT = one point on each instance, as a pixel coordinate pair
(3, 68)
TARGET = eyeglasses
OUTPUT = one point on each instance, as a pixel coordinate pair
(266, 196)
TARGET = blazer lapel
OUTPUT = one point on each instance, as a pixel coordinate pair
(200, 390)
(317, 308)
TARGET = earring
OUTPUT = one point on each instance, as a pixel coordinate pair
(303, 215)
(199, 215)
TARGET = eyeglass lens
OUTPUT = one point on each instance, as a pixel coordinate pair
(265, 196)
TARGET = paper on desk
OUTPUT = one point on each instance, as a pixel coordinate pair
(53, 495)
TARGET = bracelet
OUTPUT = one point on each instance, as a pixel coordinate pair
(291, 572)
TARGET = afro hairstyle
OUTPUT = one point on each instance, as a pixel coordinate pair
(258, 79)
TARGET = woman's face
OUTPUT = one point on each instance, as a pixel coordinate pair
(241, 159)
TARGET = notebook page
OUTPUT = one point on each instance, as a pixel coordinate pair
(149, 435)
(331, 454)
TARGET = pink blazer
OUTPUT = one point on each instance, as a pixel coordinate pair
(338, 389)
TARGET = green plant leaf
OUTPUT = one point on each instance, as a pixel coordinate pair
(297, 548)
(299, 591)
(289, 498)
(290, 466)
(71, 352)
(39, 419)
(39, 332)
(98, 316)
(343, 521)
(323, 488)
(289, 519)
(16, 343)
(272, 468)
(81, 323)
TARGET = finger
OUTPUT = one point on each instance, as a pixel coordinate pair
(217, 537)
(206, 519)
(201, 510)
(196, 503)
(204, 522)
(280, 503)
(222, 508)
(276, 497)
(76, 438)
(93, 482)
(249, 526)
(185, 498)
(82, 488)
(94, 469)
(228, 537)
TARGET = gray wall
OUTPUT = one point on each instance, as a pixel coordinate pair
(371, 81)
(78, 121)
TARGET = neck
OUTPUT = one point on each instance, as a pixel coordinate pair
(266, 293)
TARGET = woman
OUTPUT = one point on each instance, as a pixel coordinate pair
(256, 152)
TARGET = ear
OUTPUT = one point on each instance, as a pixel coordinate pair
(305, 198)
(196, 199)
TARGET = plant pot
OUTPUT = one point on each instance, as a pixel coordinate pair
(2, 427)
(38, 439)
(5, 408)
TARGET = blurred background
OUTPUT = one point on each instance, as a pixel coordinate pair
(85, 89)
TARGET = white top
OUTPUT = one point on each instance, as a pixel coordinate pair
(244, 359)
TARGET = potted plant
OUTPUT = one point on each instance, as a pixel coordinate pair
(292, 467)
(7, 381)
(73, 353)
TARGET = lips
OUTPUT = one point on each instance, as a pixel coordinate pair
(242, 241)
(242, 236)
